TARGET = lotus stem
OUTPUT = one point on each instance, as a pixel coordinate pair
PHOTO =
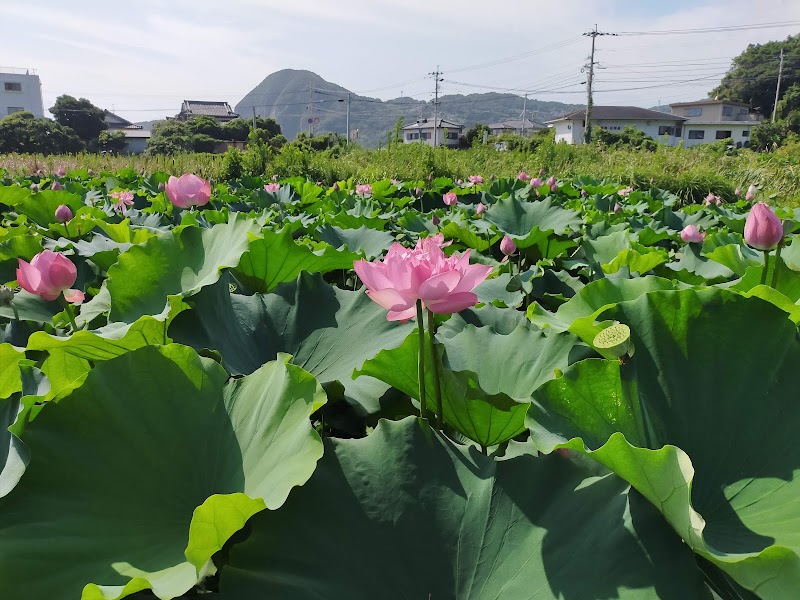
(766, 267)
(435, 362)
(421, 360)
(777, 264)
(71, 316)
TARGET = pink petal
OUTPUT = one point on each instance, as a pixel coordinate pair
(391, 299)
(403, 315)
(28, 277)
(74, 296)
(472, 276)
(439, 286)
(452, 303)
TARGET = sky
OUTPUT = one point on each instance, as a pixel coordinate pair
(141, 59)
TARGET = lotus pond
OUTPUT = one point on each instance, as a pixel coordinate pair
(493, 390)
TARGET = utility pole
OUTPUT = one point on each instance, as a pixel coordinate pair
(254, 119)
(436, 76)
(524, 113)
(348, 117)
(587, 130)
(778, 88)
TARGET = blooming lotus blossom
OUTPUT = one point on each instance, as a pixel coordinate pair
(625, 191)
(124, 199)
(480, 209)
(507, 246)
(475, 179)
(442, 283)
(56, 186)
(364, 189)
(49, 275)
(536, 182)
(751, 193)
(691, 233)
(272, 187)
(617, 208)
(188, 190)
(63, 213)
(713, 199)
(523, 176)
(450, 199)
(763, 229)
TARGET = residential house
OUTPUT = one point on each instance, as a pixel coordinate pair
(707, 121)
(135, 135)
(658, 125)
(20, 90)
(221, 111)
(516, 127)
(447, 132)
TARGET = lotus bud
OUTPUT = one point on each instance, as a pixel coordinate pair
(34, 187)
(6, 296)
(418, 191)
(751, 192)
(692, 234)
(737, 192)
(763, 229)
(551, 181)
(507, 246)
(536, 182)
(553, 187)
(523, 176)
(56, 186)
(541, 172)
(617, 208)
(450, 199)
(584, 193)
(63, 213)
(336, 187)
(436, 220)
(460, 182)
(275, 177)
(90, 172)
(61, 172)
(480, 209)
(162, 186)
(616, 340)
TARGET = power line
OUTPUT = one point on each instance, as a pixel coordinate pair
(500, 61)
(722, 29)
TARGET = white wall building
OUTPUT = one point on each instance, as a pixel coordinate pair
(658, 125)
(20, 90)
(447, 132)
(708, 121)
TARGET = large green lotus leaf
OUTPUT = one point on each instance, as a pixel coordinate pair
(179, 263)
(496, 289)
(276, 258)
(328, 331)
(425, 518)
(151, 451)
(41, 207)
(699, 268)
(24, 245)
(788, 282)
(369, 242)
(470, 238)
(702, 421)
(639, 259)
(10, 380)
(518, 218)
(488, 419)
(514, 364)
(736, 255)
(30, 308)
(606, 248)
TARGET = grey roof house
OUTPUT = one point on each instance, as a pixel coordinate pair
(516, 127)
(221, 111)
(136, 136)
(569, 128)
(447, 132)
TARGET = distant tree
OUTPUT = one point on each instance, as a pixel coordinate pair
(23, 132)
(112, 141)
(754, 74)
(170, 137)
(205, 126)
(398, 130)
(769, 135)
(629, 137)
(237, 129)
(319, 143)
(83, 117)
(474, 134)
(270, 125)
(203, 143)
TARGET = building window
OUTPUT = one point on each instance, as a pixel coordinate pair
(696, 134)
(694, 112)
(425, 135)
(678, 131)
(14, 109)
(727, 111)
(12, 86)
(723, 135)
(666, 130)
(412, 136)
(743, 112)
(452, 135)
(745, 133)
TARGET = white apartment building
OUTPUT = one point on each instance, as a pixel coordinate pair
(447, 132)
(711, 120)
(20, 90)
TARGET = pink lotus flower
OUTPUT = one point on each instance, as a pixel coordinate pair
(124, 199)
(523, 176)
(460, 182)
(272, 187)
(48, 275)
(737, 192)
(188, 190)
(61, 172)
(507, 246)
(617, 208)
(713, 199)
(450, 199)
(625, 191)
(364, 189)
(551, 181)
(161, 186)
(56, 186)
(443, 284)
(63, 213)
(553, 187)
(692, 234)
(536, 182)
(751, 193)
(480, 209)
(90, 172)
(541, 172)
(418, 191)
(475, 179)
(763, 229)
(394, 181)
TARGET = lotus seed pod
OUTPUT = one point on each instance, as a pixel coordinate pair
(615, 339)
(6, 295)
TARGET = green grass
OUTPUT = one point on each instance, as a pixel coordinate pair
(689, 173)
